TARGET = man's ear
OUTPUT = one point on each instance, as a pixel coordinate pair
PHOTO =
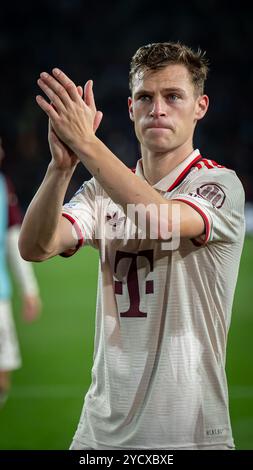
(130, 108)
(201, 106)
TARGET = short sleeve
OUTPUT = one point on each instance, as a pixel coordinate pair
(81, 212)
(218, 196)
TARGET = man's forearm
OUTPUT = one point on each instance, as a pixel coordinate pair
(162, 217)
(39, 227)
(73, 122)
(119, 182)
(133, 194)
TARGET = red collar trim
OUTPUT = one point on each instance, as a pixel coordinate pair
(184, 173)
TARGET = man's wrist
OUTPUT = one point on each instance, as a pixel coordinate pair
(54, 168)
(88, 150)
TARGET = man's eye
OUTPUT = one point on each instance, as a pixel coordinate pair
(144, 98)
(173, 97)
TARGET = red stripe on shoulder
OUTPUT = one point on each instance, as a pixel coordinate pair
(184, 173)
(211, 164)
(207, 163)
(217, 164)
(198, 165)
(133, 170)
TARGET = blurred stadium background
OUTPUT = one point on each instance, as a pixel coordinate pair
(96, 40)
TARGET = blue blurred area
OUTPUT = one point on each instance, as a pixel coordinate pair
(97, 40)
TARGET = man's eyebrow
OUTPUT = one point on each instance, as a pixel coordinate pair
(173, 89)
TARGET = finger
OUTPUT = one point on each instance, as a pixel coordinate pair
(97, 120)
(67, 84)
(80, 90)
(89, 96)
(57, 88)
(49, 110)
(50, 126)
(85, 93)
(55, 100)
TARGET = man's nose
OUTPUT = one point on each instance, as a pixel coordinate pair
(158, 108)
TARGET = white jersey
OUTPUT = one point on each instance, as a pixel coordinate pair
(158, 378)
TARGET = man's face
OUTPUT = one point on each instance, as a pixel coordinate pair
(164, 108)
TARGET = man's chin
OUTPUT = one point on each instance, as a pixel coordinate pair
(159, 148)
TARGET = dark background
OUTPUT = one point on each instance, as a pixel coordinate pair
(97, 40)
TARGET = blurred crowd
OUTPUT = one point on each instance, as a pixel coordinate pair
(97, 41)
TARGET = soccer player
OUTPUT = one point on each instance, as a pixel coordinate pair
(164, 303)
(10, 221)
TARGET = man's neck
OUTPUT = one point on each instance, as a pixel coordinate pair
(157, 165)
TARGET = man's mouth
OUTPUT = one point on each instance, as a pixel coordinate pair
(157, 125)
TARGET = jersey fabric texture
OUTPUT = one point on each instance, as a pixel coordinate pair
(162, 317)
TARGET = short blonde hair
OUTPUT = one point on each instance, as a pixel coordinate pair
(158, 55)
